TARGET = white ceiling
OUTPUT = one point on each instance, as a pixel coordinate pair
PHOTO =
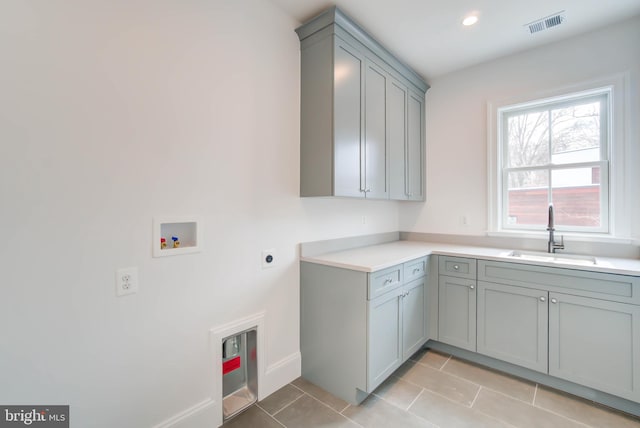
(428, 35)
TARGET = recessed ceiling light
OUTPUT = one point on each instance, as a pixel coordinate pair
(470, 20)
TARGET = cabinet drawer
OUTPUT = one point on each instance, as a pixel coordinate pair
(415, 269)
(457, 266)
(599, 285)
(384, 280)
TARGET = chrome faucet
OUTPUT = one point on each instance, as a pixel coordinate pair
(552, 245)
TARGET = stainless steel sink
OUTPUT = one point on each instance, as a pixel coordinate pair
(570, 259)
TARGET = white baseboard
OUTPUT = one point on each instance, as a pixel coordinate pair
(197, 416)
(281, 373)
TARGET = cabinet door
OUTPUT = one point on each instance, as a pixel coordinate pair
(595, 343)
(457, 312)
(375, 119)
(512, 324)
(397, 128)
(385, 335)
(405, 120)
(348, 83)
(415, 147)
(414, 333)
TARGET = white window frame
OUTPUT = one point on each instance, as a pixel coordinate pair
(616, 221)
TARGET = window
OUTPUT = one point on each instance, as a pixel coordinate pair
(555, 151)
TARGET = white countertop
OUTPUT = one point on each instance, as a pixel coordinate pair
(376, 257)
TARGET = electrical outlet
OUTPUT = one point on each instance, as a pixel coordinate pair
(269, 258)
(126, 281)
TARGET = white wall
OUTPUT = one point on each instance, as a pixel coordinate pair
(113, 112)
(456, 121)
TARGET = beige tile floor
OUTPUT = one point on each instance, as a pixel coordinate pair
(433, 390)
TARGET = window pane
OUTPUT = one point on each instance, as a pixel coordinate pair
(528, 139)
(576, 196)
(528, 197)
(575, 133)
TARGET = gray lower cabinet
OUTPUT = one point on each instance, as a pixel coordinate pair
(385, 336)
(595, 343)
(414, 317)
(575, 325)
(457, 311)
(512, 324)
(397, 329)
(357, 328)
(362, 115)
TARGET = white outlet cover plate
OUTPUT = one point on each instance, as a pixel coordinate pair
(265, 254)
(126, 281)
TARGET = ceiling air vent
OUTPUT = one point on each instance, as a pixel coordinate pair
(546, 22)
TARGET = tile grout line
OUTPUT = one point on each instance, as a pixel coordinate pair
(273, 416)
(535, 395)
(542, 409)
(284, 407)
(326, 404)
(414, 400)
(348, 405)
(331, 408)
(348, 418)
(394, 404)
(445, 363)
(487, 387)
(476, 397)
(438, 394)
(468, 381)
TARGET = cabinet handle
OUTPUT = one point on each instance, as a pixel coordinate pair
(388, 281)
(472, 287)
(416, 270)
(554, 300)
(543, 299)
(367, 190)
(456, 267)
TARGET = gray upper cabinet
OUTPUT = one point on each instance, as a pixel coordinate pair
(405, 120)
(362, 115)
(415, 150)
(347, 128)
(376, 176)
(397, 99)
